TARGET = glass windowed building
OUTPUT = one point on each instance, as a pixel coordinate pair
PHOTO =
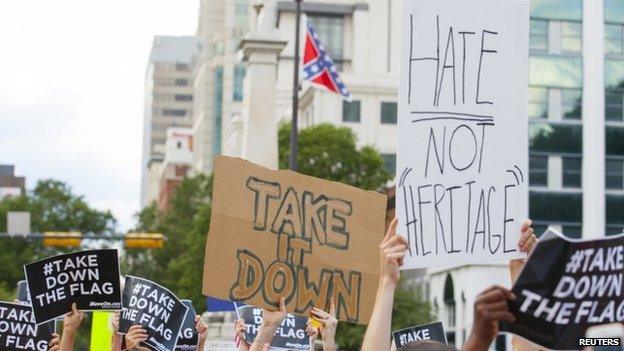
(576, 116)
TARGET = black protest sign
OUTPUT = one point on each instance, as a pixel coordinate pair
(88, 278)
(566, 287)
(431, 332)
(22, 292)
(291, 335)
(156, 309)
(18, 330)
(187, 339)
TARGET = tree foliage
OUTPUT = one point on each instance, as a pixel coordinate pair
(178, 265)
(330, 152)
(53, 207)
(325, 151)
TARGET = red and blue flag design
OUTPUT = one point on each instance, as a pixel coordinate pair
(318, 67)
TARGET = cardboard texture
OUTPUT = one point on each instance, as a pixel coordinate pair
(280, 233)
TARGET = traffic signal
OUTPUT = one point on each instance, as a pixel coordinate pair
(144, 241)
(62, 239)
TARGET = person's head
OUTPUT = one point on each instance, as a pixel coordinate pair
(426, 346)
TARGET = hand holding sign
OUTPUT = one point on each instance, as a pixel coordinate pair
(135, 336)
(157, 310)
(392, 251)
(566, 287)
(90, 279)
(330, 323)
(55, 343)
(490, 307)
(271, 320)
(73, 319)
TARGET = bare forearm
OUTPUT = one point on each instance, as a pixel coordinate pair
(67, 340)
(329, 345)
(201, 344)
(378, 331)
(265, 336)
(116, 342)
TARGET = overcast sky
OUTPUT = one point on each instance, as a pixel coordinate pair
(71, 91)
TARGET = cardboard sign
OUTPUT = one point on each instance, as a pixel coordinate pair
(462, 168)
(427, 332)
(19, 331)
(88, 278)
(279, 233)
(22, 292)
(566, 287)
(188, 338)
(291, 335)
(156, 309)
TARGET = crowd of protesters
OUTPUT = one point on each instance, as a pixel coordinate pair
(490, 307)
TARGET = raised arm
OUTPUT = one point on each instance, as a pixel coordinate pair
(271, 320)
(202, 332)
(391, 253)
(71, 323)
(330, 323)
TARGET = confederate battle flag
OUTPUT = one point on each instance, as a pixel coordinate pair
(318, 67)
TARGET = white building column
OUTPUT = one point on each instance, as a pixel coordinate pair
(593, 120)
(260, 52)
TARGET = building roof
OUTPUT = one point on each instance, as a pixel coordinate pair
(178, 49)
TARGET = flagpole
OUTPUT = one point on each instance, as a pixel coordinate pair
(294, 149)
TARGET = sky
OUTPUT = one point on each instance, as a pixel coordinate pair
(71, 92)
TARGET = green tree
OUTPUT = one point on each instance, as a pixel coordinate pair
(325, 151)
(178, 265)
(409, 309)
(330, 152)
(53, 207)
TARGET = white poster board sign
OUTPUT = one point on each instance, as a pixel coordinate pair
(462, 171)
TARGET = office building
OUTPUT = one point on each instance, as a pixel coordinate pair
(168, 103)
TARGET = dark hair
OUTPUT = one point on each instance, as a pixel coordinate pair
(426, 346)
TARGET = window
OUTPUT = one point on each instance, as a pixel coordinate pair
(571, 36)
(614, 105)
(330, 32)
(538, 102)
(557, 9)
(614, 209)
(555, 207)
(173, 112)
(572, 231)
(571, 103)
(539, 35)
(183, 97)
(614, 11)
(218, 110)
(615, 140)
(572, 169)
(390, 163)
(181, 67)
(351, 111)
(240, 15)
(614, 73)
(556, 138)
(614, 174)
(181, 82)
(389, 112)
(239, 75)
(556, 71)
(538, 170)
(614, 39)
